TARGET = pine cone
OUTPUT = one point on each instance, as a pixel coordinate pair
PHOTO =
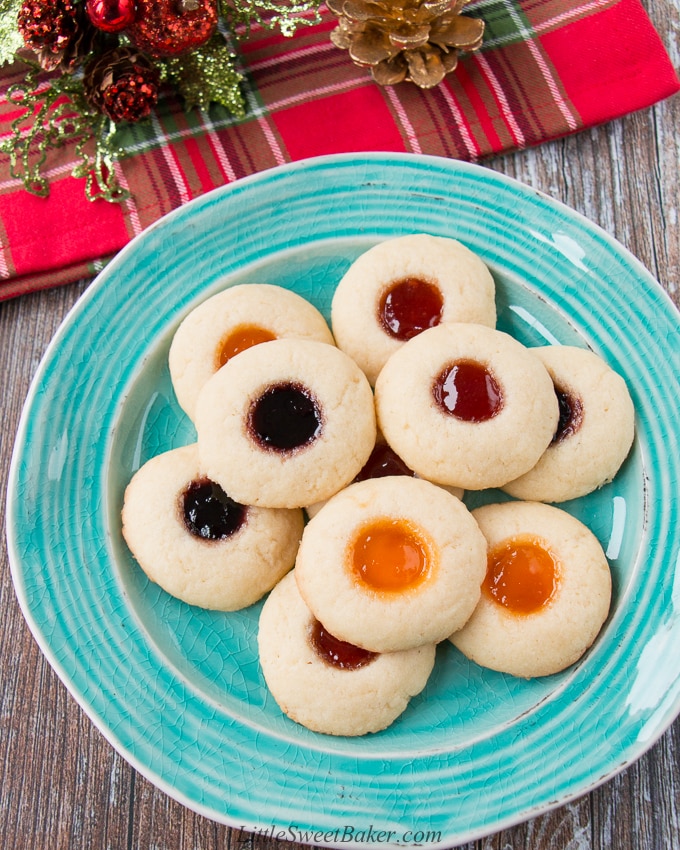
(58, 31)
(122, 83)
(416, 40)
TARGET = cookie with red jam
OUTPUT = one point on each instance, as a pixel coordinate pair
(199, 544)
(230, 322)
(595, 431)
(466, 406)
(286, 424)
(382, 462)
(546, 593)
(326, 684)
(401, 287)
(391, 563)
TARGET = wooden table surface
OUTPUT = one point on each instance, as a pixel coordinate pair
(63, 787)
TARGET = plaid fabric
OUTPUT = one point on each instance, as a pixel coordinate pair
(547, 68)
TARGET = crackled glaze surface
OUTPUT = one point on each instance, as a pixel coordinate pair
(178, 691)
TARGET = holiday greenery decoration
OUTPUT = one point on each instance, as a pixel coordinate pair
(95, 65)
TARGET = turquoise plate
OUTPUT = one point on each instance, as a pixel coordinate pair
(177, 690)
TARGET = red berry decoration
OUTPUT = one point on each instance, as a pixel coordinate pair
(111, 15)
(47, 26)
(123, 84)
(173, 27)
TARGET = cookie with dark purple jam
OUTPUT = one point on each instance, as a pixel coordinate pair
(200, 544)
(286, 424)
(594, 433)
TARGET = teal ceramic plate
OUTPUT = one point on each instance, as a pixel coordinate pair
(177, 690)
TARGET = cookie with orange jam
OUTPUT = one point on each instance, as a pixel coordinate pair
(329, 685)
(401, 287)
(467, 406)
(197, 543)
(286, 424)
(230, 322)
(546, 593)
(595, 431)
(391, 563)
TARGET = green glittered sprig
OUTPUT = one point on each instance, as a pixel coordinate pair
(52, 116)
(82, 84)
(208, 75)
(287, 15)
(10, 38)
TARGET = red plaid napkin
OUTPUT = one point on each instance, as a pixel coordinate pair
(547, 68)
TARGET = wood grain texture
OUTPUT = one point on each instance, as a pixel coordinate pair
(62, 787)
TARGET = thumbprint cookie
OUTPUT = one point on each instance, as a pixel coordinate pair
(197, 543)
(391, 563)
(286, 424)
(382, 462)
(595, 430)
(329, 685)
(230, 322)
(546, 594)
(467, 406)
(401, 287)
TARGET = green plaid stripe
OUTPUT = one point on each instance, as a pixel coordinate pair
(305, 97)
(509, 21)
(280, 73)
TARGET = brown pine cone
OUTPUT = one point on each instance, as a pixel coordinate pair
(416, 40)
(58, 31)
(47, 25)
(123, 84)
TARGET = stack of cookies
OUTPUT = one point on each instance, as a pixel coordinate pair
(328, 475)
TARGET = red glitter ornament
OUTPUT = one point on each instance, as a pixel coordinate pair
(123, 84)
(48, 27)
(111, 15)
(130, 99)
(173, 27)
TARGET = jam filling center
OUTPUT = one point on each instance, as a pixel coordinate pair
(241, 338)
(468, 391)
(336, 652)
(208, 512)
(522, 575)
(571, 415)
(285, 417)
(383, 461)
(409, 307)
(390, 555)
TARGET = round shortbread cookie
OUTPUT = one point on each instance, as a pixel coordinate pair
(231, 321)
(301, 664)
(199, 545)
(402, 286)
(383, 461)
(286, 424)
(391, 563)
(467, 406)
(595, 433)
(554, 605)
